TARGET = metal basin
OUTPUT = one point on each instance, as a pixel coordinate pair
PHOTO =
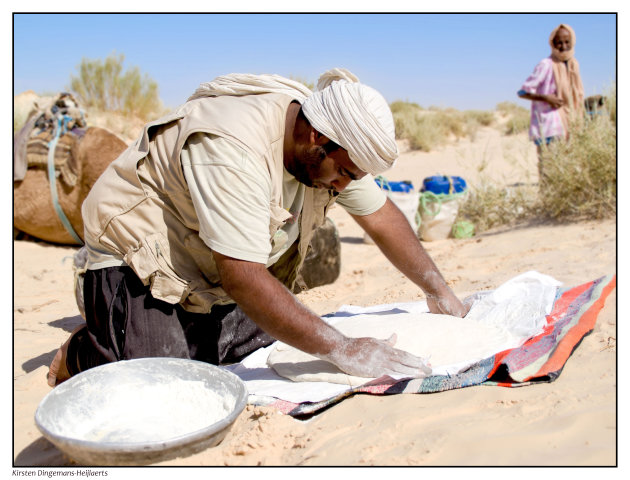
(143, 411)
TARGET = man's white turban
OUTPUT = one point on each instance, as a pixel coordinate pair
(351, 114)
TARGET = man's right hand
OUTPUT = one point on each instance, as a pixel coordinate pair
(370, 357)
(554, 101)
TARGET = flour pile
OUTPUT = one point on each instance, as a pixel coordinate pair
(148, 413)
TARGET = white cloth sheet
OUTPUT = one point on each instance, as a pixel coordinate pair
(519, 305)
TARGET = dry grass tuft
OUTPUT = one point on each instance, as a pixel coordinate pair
(517, 117)
(489, 206)
(101, 85)
(580, 176)
(427, 129)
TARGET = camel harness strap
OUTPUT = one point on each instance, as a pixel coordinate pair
(52, 180)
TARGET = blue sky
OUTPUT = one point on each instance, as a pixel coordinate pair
(465, 61)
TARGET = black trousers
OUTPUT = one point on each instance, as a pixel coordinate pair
(124, 322)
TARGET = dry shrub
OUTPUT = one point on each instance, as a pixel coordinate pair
(411, 123)
(579, 182)
(406, 116)
(580, 175)
(452, 122)
(428, 129)
(490, 206)
(517, 117)
(102, 86)
(475, 119)
(423, 134)
(399, 106)
(481, 117)
(434, 129)
(611, 102)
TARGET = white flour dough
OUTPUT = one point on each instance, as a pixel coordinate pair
(452, 344)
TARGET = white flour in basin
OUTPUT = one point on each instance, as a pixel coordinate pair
(148, 413)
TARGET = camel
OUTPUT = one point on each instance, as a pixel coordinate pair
(595, 104)
(33, 210)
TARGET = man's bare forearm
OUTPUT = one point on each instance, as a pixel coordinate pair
(391, 232)
(274, 308)
(553, 100)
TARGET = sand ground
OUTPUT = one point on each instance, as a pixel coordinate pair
(572, 421)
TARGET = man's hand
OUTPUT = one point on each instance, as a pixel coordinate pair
(554, 101)
(369, 357)
(447, 305)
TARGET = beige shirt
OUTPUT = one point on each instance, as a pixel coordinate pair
(231, 195)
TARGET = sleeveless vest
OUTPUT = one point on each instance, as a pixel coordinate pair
(140, 208)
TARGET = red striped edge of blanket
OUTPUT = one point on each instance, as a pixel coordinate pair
(283, 406)
(579, 330)
(560, 308)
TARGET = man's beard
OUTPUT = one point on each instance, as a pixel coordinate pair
(308, 160)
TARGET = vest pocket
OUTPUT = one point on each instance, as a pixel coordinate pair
(278, 216)
(152, 263)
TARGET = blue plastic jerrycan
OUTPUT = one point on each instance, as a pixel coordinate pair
(404, 186)
(442, 184)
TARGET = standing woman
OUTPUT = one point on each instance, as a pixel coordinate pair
(556, 91)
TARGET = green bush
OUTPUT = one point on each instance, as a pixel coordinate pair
(103, 86)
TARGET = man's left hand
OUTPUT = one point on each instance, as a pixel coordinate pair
(447, 305)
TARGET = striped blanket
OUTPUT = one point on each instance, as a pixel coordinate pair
(539, 359)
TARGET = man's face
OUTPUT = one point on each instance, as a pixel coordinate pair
(332, 171)
(562, 40)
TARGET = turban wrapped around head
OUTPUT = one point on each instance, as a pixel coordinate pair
(353, 115)
(356, 117)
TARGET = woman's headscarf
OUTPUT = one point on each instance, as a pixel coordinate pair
(566, 72)
(351, 114)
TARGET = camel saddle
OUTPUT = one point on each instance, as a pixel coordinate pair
(59, 119)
